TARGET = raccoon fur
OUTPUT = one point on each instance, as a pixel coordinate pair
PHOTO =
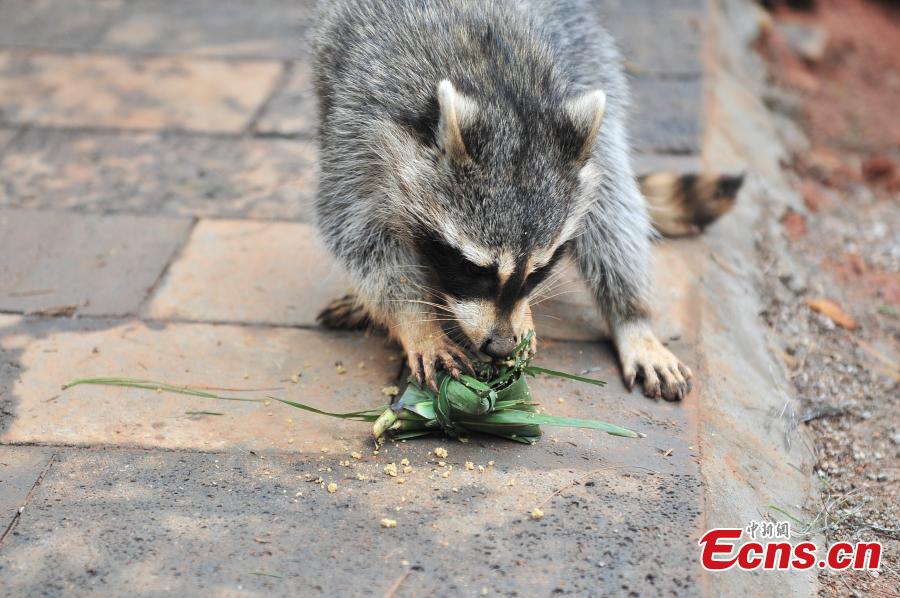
(466, 148)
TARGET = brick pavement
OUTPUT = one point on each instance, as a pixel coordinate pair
(156, 167)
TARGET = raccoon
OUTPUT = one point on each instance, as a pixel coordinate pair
(467, 147)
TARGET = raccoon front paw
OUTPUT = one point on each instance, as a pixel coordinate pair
(425, 357)
(644, 357)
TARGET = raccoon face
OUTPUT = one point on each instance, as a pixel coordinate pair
(496, 202)
(488, 294)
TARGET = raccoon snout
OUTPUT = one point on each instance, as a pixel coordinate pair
(499, 346)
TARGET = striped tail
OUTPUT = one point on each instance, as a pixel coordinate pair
(685, 204)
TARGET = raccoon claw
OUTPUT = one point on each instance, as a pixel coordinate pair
(662, 374)
(424, 364)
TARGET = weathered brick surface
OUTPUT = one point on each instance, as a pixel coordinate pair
(85, 264)
(64, 24)
(663, 43)
(49, 353)
(240, 271)
(203, 176)
(666, 116)
(269, 28)
(292, 110)
(20, 468)
(101, 90)
(153, 523)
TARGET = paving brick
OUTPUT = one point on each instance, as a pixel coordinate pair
(86, 264)
(292, 110)
(153, 173)
(240, 271)
(50, 352)
(20, 468)
(65, 24)
(270, 29)
(153, 523)
(666, 116)
(93, 90)
(660, 42)
(684, 163)
(572, 314)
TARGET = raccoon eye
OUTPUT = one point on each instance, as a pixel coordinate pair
(458, 276)
(540, 274)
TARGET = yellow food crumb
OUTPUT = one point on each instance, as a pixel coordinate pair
(362, 477)
(404, 462)
(344, 463)
(470, 466)
(341, 370)
(401, 480)
(290, 441)
(440, 452)
(388, 523)
(407, 469)
(332, 488)
(295, 378)
(490, 463)
(446, 474)
(481, 468)
(391, 469)
(355, 455)
(511, 482)
(390, 391)
(324, 450)
(537, 514)
(442, 463)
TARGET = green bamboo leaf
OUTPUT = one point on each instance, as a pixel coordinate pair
(533, 369)
(513, 417)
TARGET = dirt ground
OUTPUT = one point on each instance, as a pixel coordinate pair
(834, 300)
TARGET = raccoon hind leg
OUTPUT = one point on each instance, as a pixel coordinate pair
(346, 313)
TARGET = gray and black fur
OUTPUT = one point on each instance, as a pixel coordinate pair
(464, 149)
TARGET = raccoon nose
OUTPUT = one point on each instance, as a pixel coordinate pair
(498, 346)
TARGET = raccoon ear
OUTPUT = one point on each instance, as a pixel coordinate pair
(456, 110)
(586, 112)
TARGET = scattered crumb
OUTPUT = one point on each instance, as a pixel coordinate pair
(470, 466)
(390, 391)
(490, 463)
(341, 370)
(246, 376)
(388, 523)
(537, 514)
(295, 378)
(332, 488)
(324, 450)
(290, 441)
(442, 464)
(481, 468)
(511, 482)
(401, 480)
(362, 477)
(355, 455)
(560, 400)
(408, 469)
(446, 474)
(404, 462)
(440, 452)
(344, 463)
(391, 469)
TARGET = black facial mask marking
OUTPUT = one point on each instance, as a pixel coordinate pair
(459, 277)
